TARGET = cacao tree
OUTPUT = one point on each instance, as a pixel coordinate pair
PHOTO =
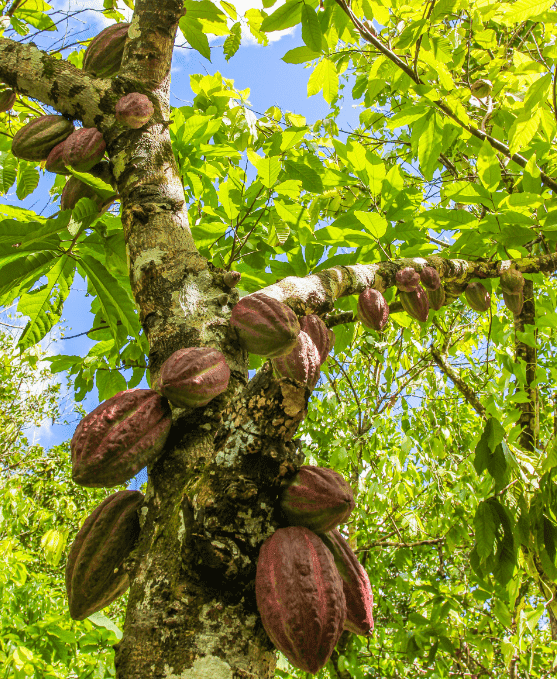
(174, 215)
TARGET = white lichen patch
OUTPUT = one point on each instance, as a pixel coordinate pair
(154, 255)
(209, 667)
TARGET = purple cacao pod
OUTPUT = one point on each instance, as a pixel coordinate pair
(83, 149)
(103, 56)
(514, 303)
(193, 377)
(119, 438)
(134, 110)
(430, 278)
(436, 298)
(74, 190)
(7, 100)
(94, 570)
(319, 333)
(478, 297)
(407, 279)
(317, 498)
(36, 140)
(416, 303)
(373, 310)
(356, 585)
(265, 326)
(55, 162)
(300, 597)
(512, 282)
(302, 363)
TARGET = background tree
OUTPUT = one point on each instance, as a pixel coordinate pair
(453, 165)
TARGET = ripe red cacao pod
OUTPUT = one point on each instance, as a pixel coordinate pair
(94, 570)
(36, 140)
(373, 310)
(478, 297)
(119, 438)
(436, 298)
(512, 282)
(103, 56)
(319, 333)
(192, 377)
(317, 498)
(7, 100)
(302, 363)
(74, 190)
(264, 325)
(416, 303)
(300, 597)
(134, 110)
(430, 278)
(83, 149)
(407, 279)
(514, 303)
(356, 585)
(55, 162)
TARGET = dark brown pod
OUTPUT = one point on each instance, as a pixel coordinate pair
(302, 363)
(407, 279)
(55, 162)
(373, 310)
(94, 570)
(74, 190)
(416, 303)
(430, 278)
(478, 297)
(319, 333)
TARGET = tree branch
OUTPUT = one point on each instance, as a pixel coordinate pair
(459, 383)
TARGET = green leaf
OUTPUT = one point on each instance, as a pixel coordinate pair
(523, 130)
(27, 179)
(20, 273)
(429, 144)
(193, 33)
(285, 16)
(299, 55)
(268, 170)
(229, 199)
(489, 171)
(109, 383)
(373, 222)
(101, 620)
(324, 77)
(311, 28)
(8, 171)
(522, 10)
(486, 521)
(232, 42)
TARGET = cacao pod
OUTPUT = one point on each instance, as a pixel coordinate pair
(416, 303)
(481, 88)
(407, 279)
(264, 325)
(373, 310)
(514, 303)
(317, 498)
(103, 56)
(319, 333)
(74, 190)
(36, 140)
(83, 149)
(120, 437)
(55, 162)
(512, 282)
(193, 377)
(430, 278)
(134, 110)
(94, 570)
(300, 597)
(436, 298)
(477, 296)
(355, 583)
(7, 100)
(302, 363)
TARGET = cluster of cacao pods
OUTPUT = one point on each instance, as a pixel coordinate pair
(309, 583)
(512, 284)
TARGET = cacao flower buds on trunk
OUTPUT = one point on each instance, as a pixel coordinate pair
(407, 279)
(416, 303)
(373, 310)
(477, 297)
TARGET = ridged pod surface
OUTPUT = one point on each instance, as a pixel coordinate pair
(436, 298)
(7, 100)
(119, 438)
(300, 597)
(36, 140)
(302, 363)
(264, 325)
(356, 585)
(407, 279)
(134, 110)
(94, 573)
(514, 303)
(430, 278)
(55, 162)
(74, 190)
(192, 377)
(317, 498)
(512, 282)
(83, 149)
(478, 297)
(103, 56)
(319, 333)
(373, 310)
(416, 303)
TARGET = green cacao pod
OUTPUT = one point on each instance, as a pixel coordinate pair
(7, 100)
(407, 279)
(300, 597)
(478, 297)
(355, 582)
(302, 363)
(317, 498)
(54, 162)
(416, 303)
(192, 377)
(373, 310)
(134, 110)
(83, 149)
(436, 298)
(319, 333)
(94, 571)
(74, 190)
(103, 56)
(514, 303)
(264, 325)
(36, 140)
(512, 282)
(119, 438)
(430, 278)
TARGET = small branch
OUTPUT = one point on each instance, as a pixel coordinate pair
(418, 543)
(459, 383)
